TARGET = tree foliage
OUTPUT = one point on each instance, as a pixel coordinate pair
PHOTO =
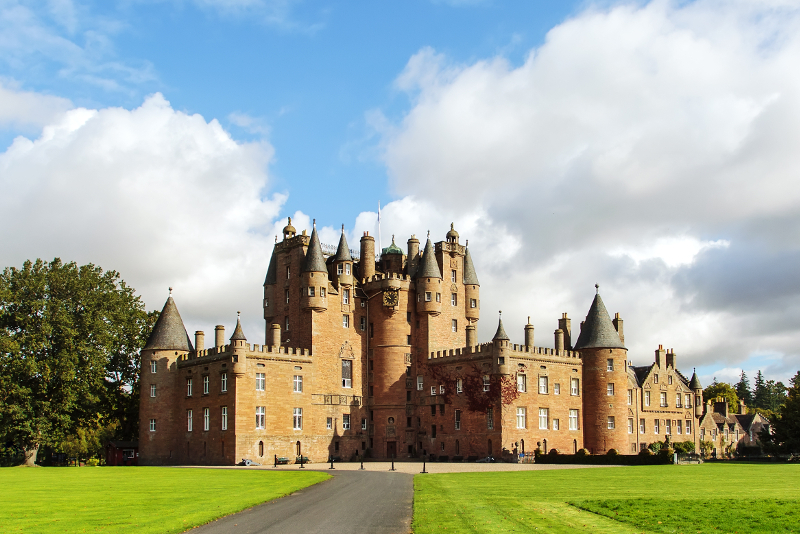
(721, 389)
(69, 343)
(743, 389)
(784, 434)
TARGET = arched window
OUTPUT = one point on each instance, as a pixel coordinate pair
(261, 448)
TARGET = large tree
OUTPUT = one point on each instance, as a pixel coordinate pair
(760, 392)
(743, 389)
(784, 434)
(721, 389)
(69, 343)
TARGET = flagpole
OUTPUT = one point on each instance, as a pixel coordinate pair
(380, 245)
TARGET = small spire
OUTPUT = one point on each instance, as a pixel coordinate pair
(451, 226)
(429, 234)
(238, 313)
(467, 242)
(392, 239)
(170, 292)
(342, 228)
(501, 332)
(315, 223)
(597, 289)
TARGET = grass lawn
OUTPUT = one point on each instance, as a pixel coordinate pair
(717, 498)
(134, 499)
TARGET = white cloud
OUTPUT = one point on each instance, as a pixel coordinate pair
(163, 197)
(651, 148)
(27, 108)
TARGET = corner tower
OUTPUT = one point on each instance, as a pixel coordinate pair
(605, 382)
(314, 276)
(429, 282)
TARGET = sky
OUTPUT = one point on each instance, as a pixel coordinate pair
(648, 147)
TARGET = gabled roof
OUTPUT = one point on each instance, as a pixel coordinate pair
(169, 333)
(343, 252)
(238, 333)
(272, 271)
(501, 332)
(470, 277)
(315, 261)
(429, 267)
(598, 331)
(642, 372)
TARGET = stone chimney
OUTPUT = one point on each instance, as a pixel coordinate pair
(618, 326)
(219, 335)
(565, 325)
(660, 356)
(199, 341)
(671, 358)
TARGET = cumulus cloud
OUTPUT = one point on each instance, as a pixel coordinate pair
(21, 109)
(650, 148)
(163, 197)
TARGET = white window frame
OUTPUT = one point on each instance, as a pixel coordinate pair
(345, 321)
(573, 419)
(610, 364)
(223, 382)
(679, 427)
(420, 383)
(322, 292)
(556, 389)
(543, 385)
(427, 296)
(345, 296)
(544, 418)
(347, 268)
(555, 424)
(642, 426)
(261, 417)
(152, 391)
(656, 426)
(297, 419)
(206, 419)
(438, 297)
(630, 397)
(340, 268)
(630, 425)
(663, 399)
(522, 383)
(473, 303)
(224, 418)
(363, 423)
(346, 421)
(153, 366)
(687, 400)
(261, 381)
(329, 423)
(459, 385)
(454, 325)
(574, 387)
(206, 384)
(611, 423)
(487, 383)
(610, 389)
(152, 425)
(188, 387)
(297, 384)
(454, 299)
(668, 427)
(433, 391)
(311, 291)
(647, 398)
(189, 420)
(453, 275)
(441, 389)
(522, 417)
(689, 428)
(347, 383)
(678, 398)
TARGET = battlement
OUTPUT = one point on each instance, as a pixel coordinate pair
(386, 276)
(226, 349)
(485, 350)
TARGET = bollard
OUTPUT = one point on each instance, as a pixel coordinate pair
(423, 465)
(392, 469)
(301, 462)
(332, 463)
(276, 461)
(362, 462)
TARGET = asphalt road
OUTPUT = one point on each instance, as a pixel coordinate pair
(355, 502)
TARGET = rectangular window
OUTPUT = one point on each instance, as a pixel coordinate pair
(224, 382)
(689, 427)
(459, 385)
(152, 425)
(420, 385)
(364, 423)
(438, 297)
(329, 423)
(555, 424)
(206, 419)
(679, 428)
(408, 339)
(521, 417)
(310, 291)
(678, 400)
(441, 389)
(288, 270)
(454, 325)
(433, 409)
(687, 401)
(609, 389)
(153, 366)
(287, 296)
(609, 364)
(473, 303)
(630, 397)
(454, 299)
(433, 390)
(453, 276)
(206, 384)
(556, 389)
(322, 292)
(574, 388)
(346, 421)
(189, 420)
(427, 296)
(287, 323)
(647, 398)
(224, 418)
(340, 268)
(261, 415)
(346, 296)
(347, 374)
(297, 384)
(655, 379)
(544, 418)
(642, 426)
(188, 387)
(345, 321)
(543, 385)
(610, 422)
(261, 380)
(522, 385)
(152, 390)
(347, 268)
(573, 419)
(297, 419)
(663, 399)
(458, 419)
(486, 383)
(669, 426)
(656, 427)
(490, 418)
(362, 324)
(630, 426)
(433, 431)
(669, 380)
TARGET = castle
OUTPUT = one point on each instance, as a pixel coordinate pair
(382, 359)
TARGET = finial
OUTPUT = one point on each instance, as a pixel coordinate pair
(529, 319)
(276, 238)
(451, 226)
(467, 242)
(290, 220)
(170, 292)
(342, 228)
(501, 313)
(237, 314)
(392, 239)
(429, 234)
(315, 223)
(597, 288)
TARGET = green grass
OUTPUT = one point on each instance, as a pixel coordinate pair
(134, 499)
(735, 498)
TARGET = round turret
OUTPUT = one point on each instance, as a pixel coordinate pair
(429, 282)
(289, 231)
(472, 288)
(314, 277)
(343, 262)
(697, 389)
(452, 235)
(239, 347)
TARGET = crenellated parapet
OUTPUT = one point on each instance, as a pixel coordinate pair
(485, 350)
(225, 351)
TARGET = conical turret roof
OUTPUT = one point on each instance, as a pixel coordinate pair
(272, 271)
(238, 333)
(343, 252)
(169, 333)
(315, 261)
(501, 332)
(470, 277)
(429, 267)
(695, 382)
(598, 331)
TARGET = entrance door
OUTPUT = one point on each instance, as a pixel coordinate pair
(391, 449)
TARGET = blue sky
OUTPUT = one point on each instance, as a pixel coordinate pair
(650, 147)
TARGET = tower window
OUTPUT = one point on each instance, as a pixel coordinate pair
(346, 296)
(322, 292)
(427, 296)
(345, 321)
(453, 275)
(454, 299)
(287, 296)
(310, 291)
(340, 269)
(473, 303)
(454, 325)
(347, 268)
(347, 374)
(438, 297)
(153, 366)
(288, 270)
(363, 323)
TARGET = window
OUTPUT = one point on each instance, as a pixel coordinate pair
(642, 426)
(459, 385)
(679, 428)
(678, 400)
(408, 339)
(555, 424)
(630, 426)
(346, 296)
(346, 421)
(669, 380)
(689, 427)
(544, 418)
(287, 272)
(287, 323)
(297, 419)
(441, 389)
(261, 414)
(188, 387)
(687, 401)
(224, 418)
(224, 382)
(458, 419)
(630, 397)
(573, 419)
(490, 418)
(347, 268)
(663, 399)
(152, 390)
(454, 325)
(433, 431)
(329, 423)
(609, 389)
(473, 303)
(347, 374)
(419, 383)
(610, 422)
(441, 409)
(574, 386)
(427, 296)
(364, 423)
(189, 420)
(647, 398)
(362, 323)
(543, 385)
(521, 417)
(609, 364)
(454, 299)
(345, 321)
(438, 297)
(486, 383)
(433, 390)
(556, 389)
(153, 366)
(669, 427)
(655, 379)
(522, 385)
(453, 276)
(287, 296)
(433, 409)
(266, 303)
(340, 269)
(297, 384)
(206, 384)
(152, 425)
(206, 419)
(656, 427)
(261, 381)
(322, 292)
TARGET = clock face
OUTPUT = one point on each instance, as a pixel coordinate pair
(390, 298)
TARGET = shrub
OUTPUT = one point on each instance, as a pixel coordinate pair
(656, 446)
(684, 447)
(665, 453)
(581, 452)
(645, 452)
(612, 452)
(553, 452)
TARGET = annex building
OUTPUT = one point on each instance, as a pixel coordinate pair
(381, 358)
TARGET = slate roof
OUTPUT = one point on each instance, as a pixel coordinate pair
(238, 333)
(272, 271)
(695, 383)
(429, 267)
(343, 252)
(598, 331)
(169, 333)
(501, 332)
(470, 277)
(315, 261)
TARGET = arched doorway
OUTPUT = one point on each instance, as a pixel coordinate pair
(261, 449)
(299, 450)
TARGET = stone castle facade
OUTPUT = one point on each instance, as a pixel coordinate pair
(382, 359)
